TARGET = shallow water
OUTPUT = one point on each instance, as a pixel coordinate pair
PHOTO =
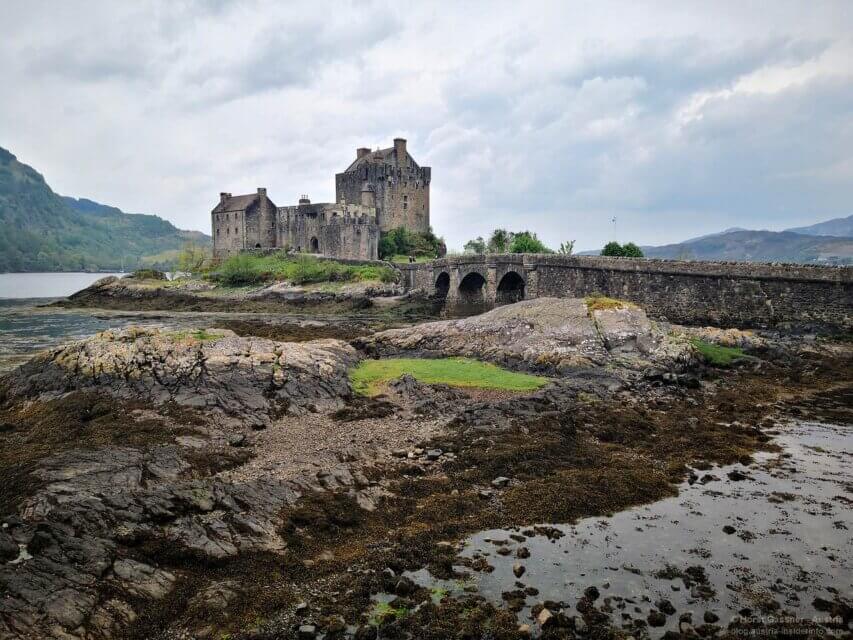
(791, 542)
(46, 285)
(28, 326)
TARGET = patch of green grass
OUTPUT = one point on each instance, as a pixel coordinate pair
(384, 612)
(248, 269)
(199, 335)
(400, 258)
(717, 355)
(600, 303)
(370, 375)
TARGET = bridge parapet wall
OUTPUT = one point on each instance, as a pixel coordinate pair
(718, 293)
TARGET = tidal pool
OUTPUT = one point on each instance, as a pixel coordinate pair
(749, 541)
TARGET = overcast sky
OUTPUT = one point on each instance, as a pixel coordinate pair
(676, 118)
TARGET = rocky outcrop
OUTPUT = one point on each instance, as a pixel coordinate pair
(544, 334)
(201, 295)
(249, 379)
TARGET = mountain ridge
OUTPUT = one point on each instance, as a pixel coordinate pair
(41, 230)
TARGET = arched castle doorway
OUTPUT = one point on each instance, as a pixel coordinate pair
(315, 245)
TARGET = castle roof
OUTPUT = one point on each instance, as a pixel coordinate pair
(380, 156)
(236, 203)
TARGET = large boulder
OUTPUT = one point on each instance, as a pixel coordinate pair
(253, 379)
(546, 334)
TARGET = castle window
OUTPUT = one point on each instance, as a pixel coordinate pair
(405, 202)
(236, 230)
(228, 231)
(217, 232)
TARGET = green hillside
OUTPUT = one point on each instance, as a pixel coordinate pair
(42, 231)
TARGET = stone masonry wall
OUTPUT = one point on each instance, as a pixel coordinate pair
(716, 293)
(401, 194)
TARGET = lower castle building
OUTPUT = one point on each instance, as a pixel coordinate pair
(381, 190)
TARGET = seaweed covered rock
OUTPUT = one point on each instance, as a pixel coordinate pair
(252, 379)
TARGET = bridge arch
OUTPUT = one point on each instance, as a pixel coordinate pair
(510, 288)
(442, 284)
(472, 288)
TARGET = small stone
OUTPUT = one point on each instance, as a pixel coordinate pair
(307, 632)
(522, 552)
(500, 482)
(591, 593)
(524, 629)
(301, 608)
(710, 617)
(665, 606)
(433, 454)
(729, 529)
(544, 617)
(580, 625)
(400, 453)
(237, 440)
(518, 569)
(656, 619)
(484, 494)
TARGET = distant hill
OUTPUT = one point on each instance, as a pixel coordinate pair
(43, 231)
(840, 227)
(760, 246)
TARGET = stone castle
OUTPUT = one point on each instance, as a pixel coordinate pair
(379, 191)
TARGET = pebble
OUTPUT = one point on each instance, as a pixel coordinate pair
(518, 569)
(544, 617)
(433, 454)
(307, 632)
(500, 482)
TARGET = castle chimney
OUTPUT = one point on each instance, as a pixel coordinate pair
(304, 200)
(361, 152)
(223, 196)
(262, 191)
(400, 149)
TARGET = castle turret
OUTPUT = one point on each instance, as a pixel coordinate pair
(361, 152)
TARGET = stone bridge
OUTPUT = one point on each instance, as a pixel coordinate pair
(717, 293)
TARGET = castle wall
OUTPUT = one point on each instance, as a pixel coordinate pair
(401, 194)
(330, 229)
(229, 233)
(724, 294)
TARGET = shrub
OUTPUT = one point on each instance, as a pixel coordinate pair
(527, 242)
(402, 242)
(148, 274)
(247, 269)
(629, 250)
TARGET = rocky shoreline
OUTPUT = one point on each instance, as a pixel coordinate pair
(132, 294)
(202, 484)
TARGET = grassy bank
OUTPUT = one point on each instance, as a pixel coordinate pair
(369, 376)
(717, 355)
(247, 269)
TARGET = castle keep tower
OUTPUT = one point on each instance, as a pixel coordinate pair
(390, 180)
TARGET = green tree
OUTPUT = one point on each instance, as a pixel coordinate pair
(500, 241)
(476, 246)
(193, 258)
(629, 250)
(567, 247)
(613, 249)
(527, 242)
